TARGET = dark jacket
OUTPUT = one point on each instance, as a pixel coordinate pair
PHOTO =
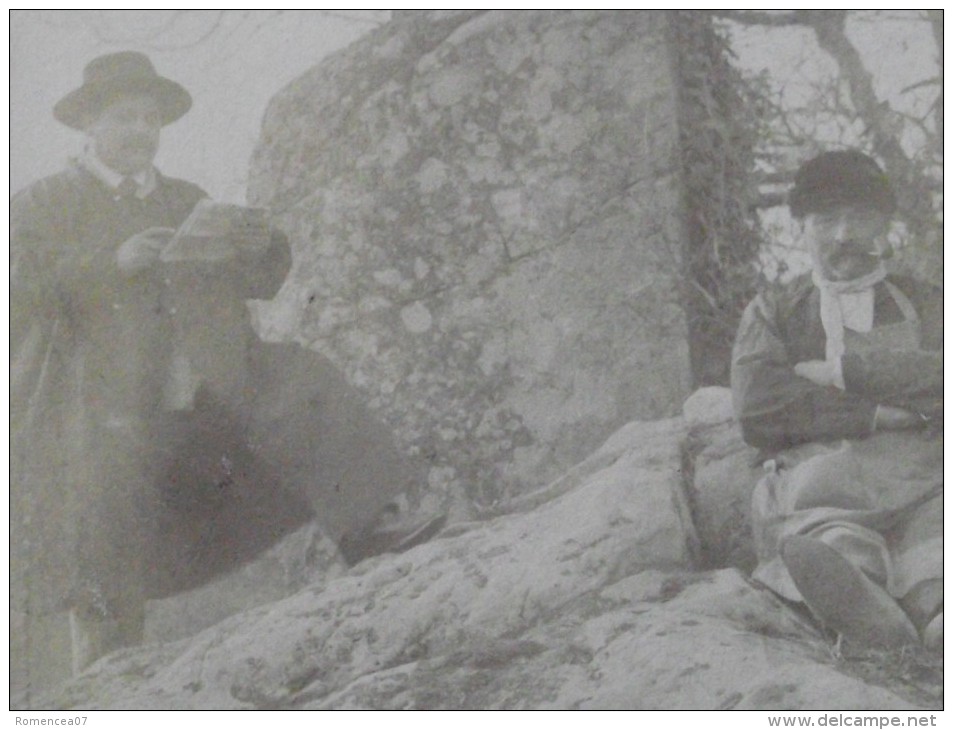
(90, 357)
(782, 327)
(67, 291)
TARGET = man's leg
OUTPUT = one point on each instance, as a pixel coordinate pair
(917, 556)
(97, 630)
(107, 609)
(841, 569)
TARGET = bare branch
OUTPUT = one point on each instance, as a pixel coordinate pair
(935, 81)
(830, 29)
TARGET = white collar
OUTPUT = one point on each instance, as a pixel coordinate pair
(145, 179)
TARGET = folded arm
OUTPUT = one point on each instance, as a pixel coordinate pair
(911, 379)
(777, 408)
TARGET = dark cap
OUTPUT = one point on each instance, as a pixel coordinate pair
(843, 177)
(108, 77)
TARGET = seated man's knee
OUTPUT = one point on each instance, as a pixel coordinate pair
(862, 546)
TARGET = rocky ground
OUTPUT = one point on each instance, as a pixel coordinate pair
(591, 593)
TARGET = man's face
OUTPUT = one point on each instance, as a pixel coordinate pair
(847, 242)
(125, 136)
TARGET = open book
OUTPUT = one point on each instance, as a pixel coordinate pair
(218, 231)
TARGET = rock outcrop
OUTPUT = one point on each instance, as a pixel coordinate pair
(485, 212)
(486, 220)
(589, 596)
(724, 472)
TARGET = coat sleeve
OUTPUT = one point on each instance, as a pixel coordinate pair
(776, 408)
(911, 379)
(250, 274)
(40, 283)
(265, 272)
(33, 262)
(52, 272)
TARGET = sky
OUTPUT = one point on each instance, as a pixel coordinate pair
(232, 62)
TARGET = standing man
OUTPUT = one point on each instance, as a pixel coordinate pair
(838, 379)
(95, 368)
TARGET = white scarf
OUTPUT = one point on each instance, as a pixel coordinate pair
(846, 304)
(145, 180)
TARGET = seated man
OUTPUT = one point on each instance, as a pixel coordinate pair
(838, 378)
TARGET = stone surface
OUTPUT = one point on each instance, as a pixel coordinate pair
(484, 209)
(587, 599)
(305, 557)
(710, 406)
(725, 471)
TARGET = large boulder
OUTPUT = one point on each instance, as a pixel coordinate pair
(486, 220)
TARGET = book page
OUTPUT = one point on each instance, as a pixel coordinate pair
(217, 231)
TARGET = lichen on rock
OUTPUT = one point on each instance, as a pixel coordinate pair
(503, 186)
(585, 595)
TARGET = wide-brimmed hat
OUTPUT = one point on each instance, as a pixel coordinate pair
(838, 178)
(108, 77)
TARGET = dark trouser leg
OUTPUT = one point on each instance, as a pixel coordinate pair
(108, 607)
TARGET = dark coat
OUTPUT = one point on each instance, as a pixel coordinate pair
(89, 356)
(114, 497)
(782, 327)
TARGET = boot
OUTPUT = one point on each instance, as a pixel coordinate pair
(389, 532)
(843, 598)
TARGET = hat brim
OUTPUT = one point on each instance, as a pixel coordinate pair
(80, 107)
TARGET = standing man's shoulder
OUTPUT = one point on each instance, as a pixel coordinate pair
(176, 198)
(66, 182)
(52, 201)
(180, 189)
